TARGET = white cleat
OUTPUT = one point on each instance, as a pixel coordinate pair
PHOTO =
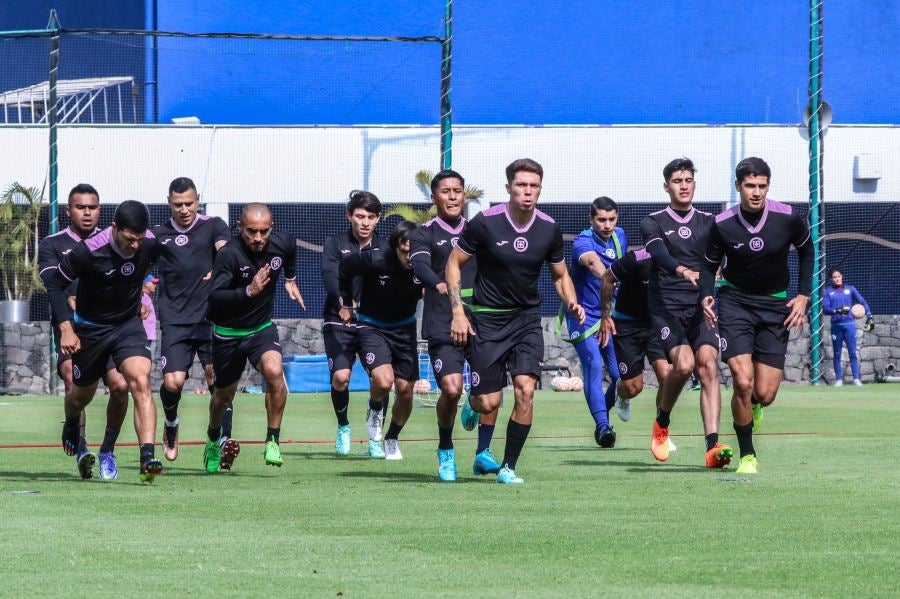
(839, 383)
(623, 409)
(392, 449)
(857, 383)
(672, 448)
(374, 424)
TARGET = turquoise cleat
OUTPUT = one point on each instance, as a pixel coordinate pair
(342, 440)
(467, 416)
(485, 463)
(446, 464)
(376, 449)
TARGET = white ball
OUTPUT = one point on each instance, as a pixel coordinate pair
(422, 386)
(858, 311)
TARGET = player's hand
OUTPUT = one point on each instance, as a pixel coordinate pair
(441, 288)
(346, 314)
(259, 281)
(71, 301)
(145, 312)
(607, 330)
(870, 324)
(460, 329)
(691, 275)
(797, 318)
(577, 311)
(709, 310)
(844, 310)
(207, 276)
(69, 342)
(294, 293)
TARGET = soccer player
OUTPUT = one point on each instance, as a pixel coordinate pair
(83, 210)
(430, 247)
(341, 344)
(755, 317)
(837, 300)
(676, 238)
(241, 305)
(510, 242)
(593, 250)
(110, 269)
(187, 246)
(386, 317)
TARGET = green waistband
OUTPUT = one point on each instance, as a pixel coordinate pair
(229, 332)
(561, 317)
(475, 308)
(778, 294)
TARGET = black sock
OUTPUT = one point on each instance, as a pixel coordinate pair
(169, 401)
(74, 423)
(745, 438)
(147, 452)
(394, 431)
(227, 417)
(485, 434)
(445, 438)
(515, 439)
(273, 433)
(711, 440)
(339, 401)
(384, 406)
(662, 418)
(213, 434)
(376, 404)
(109, 440)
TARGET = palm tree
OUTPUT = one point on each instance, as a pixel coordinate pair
(422, 215)
(20, 211)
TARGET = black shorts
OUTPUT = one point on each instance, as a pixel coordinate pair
(446, 358)
(230, 354)
(634, 340)
(396, 347)
(504, 343)
(682, 326)
(106, 347)
(341, 345)
(180, 342)
(753, 324)
(61, 357)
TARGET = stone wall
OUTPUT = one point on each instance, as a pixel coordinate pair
(25, 355)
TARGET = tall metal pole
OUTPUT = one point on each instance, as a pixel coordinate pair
(52, 118)
(446, 110)
(816, 196)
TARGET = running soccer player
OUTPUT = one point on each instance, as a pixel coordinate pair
(837, 300)
(187, 246)
(755, 317)
(341, 344)
(83, 210)
(386, 317)
(676, 239)
(430, 247)
(593, 250)
(110, 269)
(510, 242)
(241, 305)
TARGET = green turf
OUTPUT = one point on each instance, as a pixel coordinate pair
(821, 519)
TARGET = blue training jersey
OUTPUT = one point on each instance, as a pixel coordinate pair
(587, 286)
(834, 298)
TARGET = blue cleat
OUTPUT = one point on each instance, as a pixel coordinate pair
(507, 476)
(467, 416)
(446, 464)
(342, 440)
(85, 461)
(376, 449)
(485, 463)
(109, 470)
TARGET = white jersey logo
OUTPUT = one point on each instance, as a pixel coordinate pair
(345, 251)
(181, 240)
(738, 246)
(756, 244)
(276, 263)
(110, 272)
(454, 241)
(441, 242)
(127, 269)
(670, 232)
(520, 244)
(66, 251)
(610, 253)
(684, 232)
(502, 243)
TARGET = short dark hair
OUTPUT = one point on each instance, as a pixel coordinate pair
(603, 203)
(83, 188)
(835, 270)
(132, 215)
(679, 164)
(366, 200)
(401, 233)
(181, 185)
(523, 164)
(751, 166)
(445, 174)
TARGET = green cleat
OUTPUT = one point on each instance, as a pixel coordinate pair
(212, 456)
(758, 416)
(273, 454)
(749, 465)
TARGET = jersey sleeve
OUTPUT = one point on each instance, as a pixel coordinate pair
(802, 242)
(357, 264)
(622, 267)
(221, 295)
(581, 245)
(420, 255)
(827, 303)
(47, 264)
(715, 252)
(656, 246)
(557, 253)
(331, 267)
(473, 236)
(220, 230)
(290, 258)
(67, 272)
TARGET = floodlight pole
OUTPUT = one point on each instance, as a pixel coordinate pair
(816, 220)
(52, 118)
(446, 110)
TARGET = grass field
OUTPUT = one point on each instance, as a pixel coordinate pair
(821, 519)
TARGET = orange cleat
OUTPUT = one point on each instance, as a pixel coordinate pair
(659, 444)
(719, 456)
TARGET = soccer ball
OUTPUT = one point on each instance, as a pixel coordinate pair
(560, 383)
(422, 386)
(576, 384)
(858, 311)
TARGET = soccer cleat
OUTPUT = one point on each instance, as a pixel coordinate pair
(273, 454)
(392, 449)
(85, 461)
(212, 456)
(719, 456)
(605, 436)
(150, 469)
(758, 416)
(230, 450)
(623, 409)
(748, 465)
(374, 424)
(342, 440)
(507, 476)
(375, 449)
(70, 440)
(109, 470)
(170, 442)
(857, 383)
(446, 464)
(839, 383)
(672, 448)
(659, 444)
(467, 416)
(485, 463)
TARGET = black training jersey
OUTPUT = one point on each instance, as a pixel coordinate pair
(184, 263)
(233, 271)
(632, 271)
(109, 282)
(50, 253)
(757, 255)
(337, 247)
(389, 292)
(673, 240)
(430, 246)
(510, 257)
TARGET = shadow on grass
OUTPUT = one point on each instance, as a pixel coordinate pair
(407, 477)
(590, 448)
(637, 467)
(53, 477)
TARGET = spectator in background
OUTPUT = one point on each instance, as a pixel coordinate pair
(838, 301)
(148, 312)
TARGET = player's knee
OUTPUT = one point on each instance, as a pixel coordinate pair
(118, 387)
(743, 384)
(630, 388)
(452, 390)
(174, 381)
(340, 380)
(383, 381)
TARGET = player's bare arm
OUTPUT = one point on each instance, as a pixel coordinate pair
(709, 310)
(460, 327)
(293, 292)
(593, 263)
(607, 326)
(566, 290)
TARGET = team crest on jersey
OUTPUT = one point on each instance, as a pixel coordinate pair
(664, 333)
(520, 244)
(476, 378)
(370, 357)
(454, 241)
(610, 253)
(438, 364)
(756, 244)
(76, 373)
(181, 240)
(573, 335)
(127, 269)
(684, 232)
(275, 263)
(162, 363)
(623, 368)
